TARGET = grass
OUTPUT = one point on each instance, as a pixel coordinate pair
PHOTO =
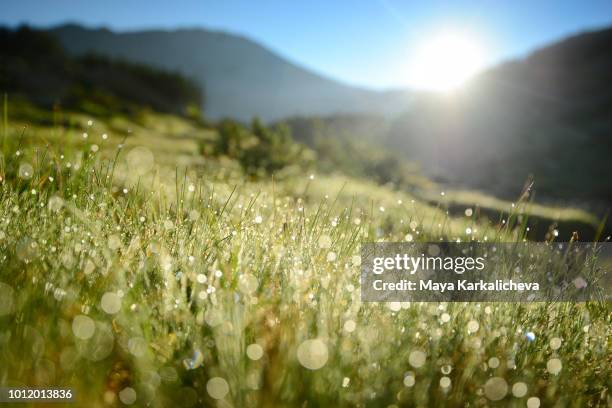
(541, 219)
(141, 274)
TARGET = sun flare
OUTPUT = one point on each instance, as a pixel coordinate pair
(445, 62)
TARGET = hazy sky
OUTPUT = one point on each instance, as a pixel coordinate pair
(366, 42)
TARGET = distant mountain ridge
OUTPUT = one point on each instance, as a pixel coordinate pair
(240, 78)
(548, 115)
(36, 67)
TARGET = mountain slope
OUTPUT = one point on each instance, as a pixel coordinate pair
(548, 115)
(35, 66)
(240, 78)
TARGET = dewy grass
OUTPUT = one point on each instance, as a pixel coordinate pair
(135, 284)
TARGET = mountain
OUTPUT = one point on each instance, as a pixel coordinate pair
(548, 115)
(240, 78)
(36, 67)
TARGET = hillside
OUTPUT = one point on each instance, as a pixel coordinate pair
(240, 78)
(145, 263)
(549, 115)
(136, 271)
(36, 67)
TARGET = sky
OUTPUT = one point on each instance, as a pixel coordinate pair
(372, 43)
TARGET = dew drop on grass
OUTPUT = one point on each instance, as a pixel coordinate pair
(109, 397)
(445, 382)
(217, 388)
(472, 326)
(312, 354)
(258, 219)
(331, 256)
(83, 327)
(137, 346)
(26, 171)
(417, 358)
(127, 396)
(580, 283)
(554, 366)
(493, 362)
(496, 388)
(446, 369)
(555, 343)
(213, 317)
(409, 380)
(519, 389)
(151, 378)
(533, 402)
(254, 351)
(7, 299)
(445, 318)
(394, 306)
(114, 242)
(345, 382)
(325, 242)
(110, 303)
(247, 283)
(55, 203)
(195, 361)
(350, 326)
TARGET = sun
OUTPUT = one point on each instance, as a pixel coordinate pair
(445, 62)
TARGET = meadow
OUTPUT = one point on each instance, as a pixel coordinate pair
(138, 272)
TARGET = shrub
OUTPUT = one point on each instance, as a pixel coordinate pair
(260, 149)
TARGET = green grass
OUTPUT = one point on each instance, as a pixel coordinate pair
(157, 271)
(542, 220)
